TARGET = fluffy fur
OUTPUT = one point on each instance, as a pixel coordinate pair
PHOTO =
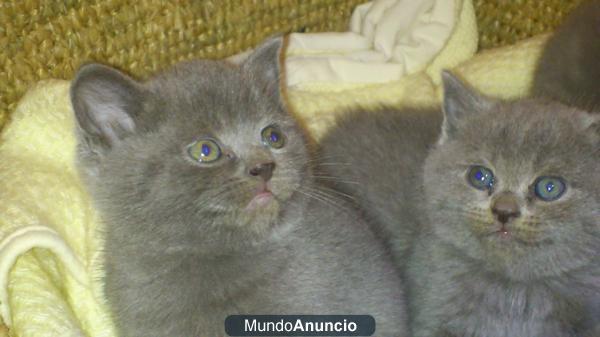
(568, 70)
(539, 276)
(376, 157)
(184, 249)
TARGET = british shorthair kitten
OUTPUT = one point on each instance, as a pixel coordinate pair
(512, 239)
(495, 220)
(210, 207)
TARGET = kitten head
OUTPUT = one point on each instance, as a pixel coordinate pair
(205, 152)
(515, 185)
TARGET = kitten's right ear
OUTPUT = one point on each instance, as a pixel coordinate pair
(459, 102)
(263, 66)
(106, 103)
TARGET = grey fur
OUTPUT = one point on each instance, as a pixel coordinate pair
(182, 252)
(568, 70)
(463, 279)
(376, 157)
(466, 280)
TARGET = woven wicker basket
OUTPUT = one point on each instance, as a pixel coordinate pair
(43, 39)
(503, 22)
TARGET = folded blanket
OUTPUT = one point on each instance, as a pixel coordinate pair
(50, 236)
(387, 39)
(504, 72)
(50, 256)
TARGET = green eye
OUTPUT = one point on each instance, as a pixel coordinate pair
(480, 177)
(272, 136)
(204, 151)
(549, 188)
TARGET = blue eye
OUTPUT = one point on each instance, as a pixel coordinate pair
(274, 137)
(480, 177)
(206, 150)
(549, 188)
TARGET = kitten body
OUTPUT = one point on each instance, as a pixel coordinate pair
(193, 239)
(499, 262)
(568, 69)
(377, 157)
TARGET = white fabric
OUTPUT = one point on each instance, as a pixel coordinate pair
(387, 40)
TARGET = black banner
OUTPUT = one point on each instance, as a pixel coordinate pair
(300, 325)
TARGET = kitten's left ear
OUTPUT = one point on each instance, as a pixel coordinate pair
(459, 102)
(106, 103)
(264, 66)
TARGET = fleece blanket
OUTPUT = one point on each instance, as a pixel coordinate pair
(51, 237)
(386, 40)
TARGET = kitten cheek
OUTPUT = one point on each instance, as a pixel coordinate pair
(283, 190)
(481, 225)
(460, 234)
(482, 202)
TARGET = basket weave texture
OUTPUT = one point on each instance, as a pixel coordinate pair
(44, 39)
(504, 22)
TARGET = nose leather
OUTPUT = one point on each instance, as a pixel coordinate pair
(263, 170)
(506, 207)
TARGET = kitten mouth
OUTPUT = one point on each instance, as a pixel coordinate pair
(503, 232)
(262, 197)
(500, 232)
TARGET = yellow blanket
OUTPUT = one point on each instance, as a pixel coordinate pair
(50, 256)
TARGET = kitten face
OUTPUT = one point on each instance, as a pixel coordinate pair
(205, 150)
(516, 186)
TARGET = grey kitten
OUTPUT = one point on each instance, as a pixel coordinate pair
(568, 69)
(503, 210)
(512, 199)
(203, 181)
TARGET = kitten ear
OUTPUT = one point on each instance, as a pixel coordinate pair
(264, 65)
(459, 102)
(106, 103)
